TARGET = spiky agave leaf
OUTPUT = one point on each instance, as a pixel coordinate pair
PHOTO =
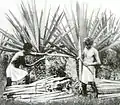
(31, 29)
(79, 21)
(53, 26)
(101, 27)
(2, 43)
(73, 40)
(110, 35)
(18, 29)
(11, 37)
(29, 25)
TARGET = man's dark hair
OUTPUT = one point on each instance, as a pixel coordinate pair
(88, 41)
(27, 46)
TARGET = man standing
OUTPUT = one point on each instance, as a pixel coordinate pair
(90, 58)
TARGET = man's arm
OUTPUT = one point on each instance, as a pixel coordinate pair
(37, 54)
(29, 65)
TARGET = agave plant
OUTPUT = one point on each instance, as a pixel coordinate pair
(37, 30)
(103, 28)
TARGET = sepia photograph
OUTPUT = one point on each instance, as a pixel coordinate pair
(60, 52)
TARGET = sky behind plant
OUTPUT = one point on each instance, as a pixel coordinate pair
(13, 5)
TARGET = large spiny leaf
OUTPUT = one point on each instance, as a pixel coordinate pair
(37, 32)
(36, 27)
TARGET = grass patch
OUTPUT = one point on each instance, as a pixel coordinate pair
(70, 101)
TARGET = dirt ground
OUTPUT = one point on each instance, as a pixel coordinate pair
(68, 101)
